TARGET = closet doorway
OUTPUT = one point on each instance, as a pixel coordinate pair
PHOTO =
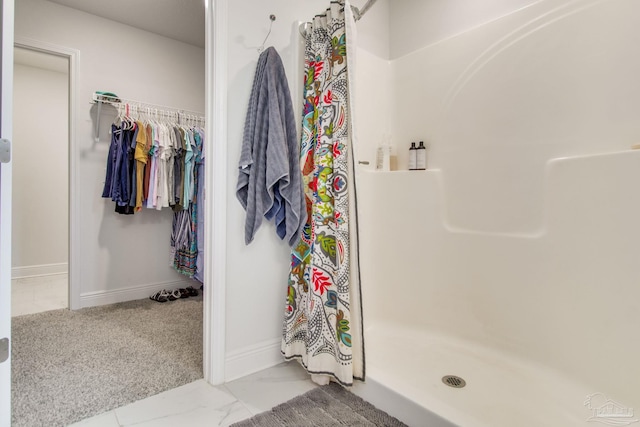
(40, 229)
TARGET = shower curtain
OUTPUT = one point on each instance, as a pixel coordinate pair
(323, 315)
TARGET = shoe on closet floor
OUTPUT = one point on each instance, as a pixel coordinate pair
(160, 296)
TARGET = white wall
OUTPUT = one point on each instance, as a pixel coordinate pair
(523, 236)
(418, 23)
(373, 97)
(372, 88)
(117, 253)
(40, 167)
(257, 274)
(503, 99)
(391, 30)
(374, 28)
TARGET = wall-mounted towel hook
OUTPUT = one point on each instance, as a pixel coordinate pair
(272, 18)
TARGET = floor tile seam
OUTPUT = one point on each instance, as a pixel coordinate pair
(231, 405)
(115, 414)
(147, 420)
(242, 402)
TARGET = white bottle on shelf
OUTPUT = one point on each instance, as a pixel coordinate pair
(413, 159)
(383, 157)
(421, 157)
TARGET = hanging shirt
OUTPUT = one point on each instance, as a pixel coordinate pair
(156, 166)
(141, 155)
(147, 169)
(184, 204)
(178, 166)
(120, 193)
(111, 161)
(190, 167)
(188, 170)
(160, 165)
(170, 167)
(163, 163)
(122, 185)
(116, 185)
(199, 274)
(151, 200)
(133, 176)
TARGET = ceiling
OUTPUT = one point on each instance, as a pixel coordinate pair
(181, 20)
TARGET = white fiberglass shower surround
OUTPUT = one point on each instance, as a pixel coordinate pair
(513, 261)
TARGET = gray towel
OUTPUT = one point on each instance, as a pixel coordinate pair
(269, 177)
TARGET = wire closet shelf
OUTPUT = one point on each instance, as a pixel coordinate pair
(144, 110)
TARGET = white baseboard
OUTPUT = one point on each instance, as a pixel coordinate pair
(251, 359)
(39, 270)
(112, 296)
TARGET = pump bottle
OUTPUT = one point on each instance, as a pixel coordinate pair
(413, 157)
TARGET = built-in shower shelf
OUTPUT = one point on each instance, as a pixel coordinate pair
(396, 172)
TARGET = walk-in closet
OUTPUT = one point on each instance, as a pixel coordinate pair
(108, 274)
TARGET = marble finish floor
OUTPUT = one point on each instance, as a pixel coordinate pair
(200, 404)
(36, 294)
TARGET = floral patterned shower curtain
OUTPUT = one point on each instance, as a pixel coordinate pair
(323, 321)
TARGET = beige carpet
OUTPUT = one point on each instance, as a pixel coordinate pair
(327, 406)
(71, 365)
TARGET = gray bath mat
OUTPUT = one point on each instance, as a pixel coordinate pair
(330, 405)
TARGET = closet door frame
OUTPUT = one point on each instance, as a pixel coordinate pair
(215, 223)
(6, 131)
(73, 56)
(214, 316)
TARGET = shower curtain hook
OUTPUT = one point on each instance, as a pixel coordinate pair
(303, 29)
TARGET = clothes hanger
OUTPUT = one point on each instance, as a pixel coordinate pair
(120, 116)
(132, 117)
(128, 122)
(147, 120)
